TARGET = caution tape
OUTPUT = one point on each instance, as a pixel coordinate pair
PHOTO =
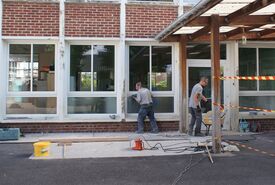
(264, 78)
(245, 108)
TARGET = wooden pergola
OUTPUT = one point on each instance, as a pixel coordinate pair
(215, 21)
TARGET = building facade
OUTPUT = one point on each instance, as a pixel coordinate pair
(70, 66)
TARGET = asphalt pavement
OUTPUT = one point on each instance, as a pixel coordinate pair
(250, 166)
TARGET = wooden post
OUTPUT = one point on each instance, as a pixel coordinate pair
(183, 111)
(216, 91)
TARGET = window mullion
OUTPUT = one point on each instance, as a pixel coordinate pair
(31, 76)
(258, 71)
(150, 68)
(92, 69)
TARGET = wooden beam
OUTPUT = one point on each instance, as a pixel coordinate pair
(183, 72)
(248, 20)
(266, 32)
(216, 88)
(203, 31)
(250, 8)
(172, 38)
(239, 30)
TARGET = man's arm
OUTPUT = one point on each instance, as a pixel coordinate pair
(137, 98)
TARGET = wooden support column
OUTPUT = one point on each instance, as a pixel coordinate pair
(183, 111)
(216, 87)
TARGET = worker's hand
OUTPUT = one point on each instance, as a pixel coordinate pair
(204, 99)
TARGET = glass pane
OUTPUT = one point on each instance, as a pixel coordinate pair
(195, 73)
(31, 105)
(20, 68)
(80, 68)
(267, 67)
(43, 67)
(161, 68)
(247, 67)
(104, 68)
(161, 105)
(139, 66)
(91, 105)
(263, 102)
(203, 51)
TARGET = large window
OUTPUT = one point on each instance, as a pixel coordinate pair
(92, 79)
(31, 72)
(92, 68)
(257, 62)
(152, 66)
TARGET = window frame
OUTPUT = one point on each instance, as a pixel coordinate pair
(91, 93)
(172, 93)
(258, 92)
(29, 94)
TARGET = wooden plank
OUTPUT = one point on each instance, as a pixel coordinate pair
(203, 31)
(183, 72)
(248, 20)
(91, 139)
(216, 90)
(250, 8)
(266, 32)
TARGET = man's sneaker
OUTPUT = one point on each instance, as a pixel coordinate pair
(190, 133)
(154, 132)
(199, 135)
(139, 132)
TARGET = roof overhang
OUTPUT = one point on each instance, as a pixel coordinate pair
(252, 19)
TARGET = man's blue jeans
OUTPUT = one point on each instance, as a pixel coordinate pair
(143, 112)
(196, 119)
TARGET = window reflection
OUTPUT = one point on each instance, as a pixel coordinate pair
(103, 68)
(267, 67)
(20, 68)
(91, 105)
(80, 68)
(43, 67)
(139, 66)
(247, 67)
(161, 68)
(31, 105)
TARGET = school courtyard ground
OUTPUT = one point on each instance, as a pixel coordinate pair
(253, 165)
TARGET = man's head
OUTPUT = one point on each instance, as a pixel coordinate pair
(138, 86)
(203, 81)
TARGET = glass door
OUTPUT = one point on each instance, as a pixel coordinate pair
(196, 70)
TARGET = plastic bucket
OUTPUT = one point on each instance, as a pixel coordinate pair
(41, 149)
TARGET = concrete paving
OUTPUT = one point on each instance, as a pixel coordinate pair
(245, 167)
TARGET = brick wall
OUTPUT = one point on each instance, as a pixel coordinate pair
(146, 21)
(263, 124)
(86, 127)
(30, 19)
(92, 20)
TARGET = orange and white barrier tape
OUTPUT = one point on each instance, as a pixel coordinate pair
(265, 78)
(245, 108)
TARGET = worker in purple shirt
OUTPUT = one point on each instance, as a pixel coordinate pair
(195, 106)
(144, 98)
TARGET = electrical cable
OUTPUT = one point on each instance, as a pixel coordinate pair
(187, 168)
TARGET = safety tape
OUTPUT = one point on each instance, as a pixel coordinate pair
(252, 149)
(245, 108)
(247, 78)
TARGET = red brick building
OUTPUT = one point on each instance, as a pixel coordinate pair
(70, 66)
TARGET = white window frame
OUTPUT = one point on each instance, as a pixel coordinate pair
(173, 93)
(99, 117)
(258, 92)
(29, 94)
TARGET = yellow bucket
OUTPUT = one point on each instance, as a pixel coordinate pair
(41, 149)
